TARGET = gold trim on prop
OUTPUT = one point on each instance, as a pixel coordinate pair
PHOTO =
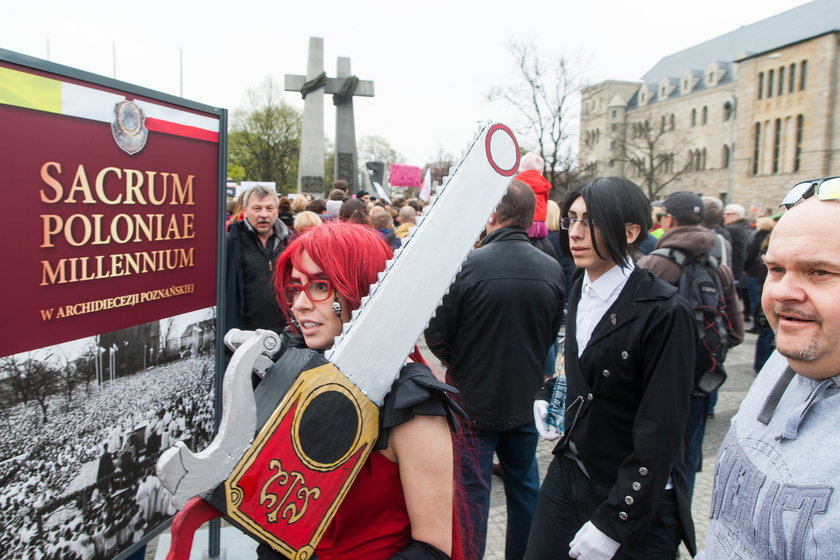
(309, 385)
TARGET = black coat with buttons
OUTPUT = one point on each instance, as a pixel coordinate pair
(627, 404)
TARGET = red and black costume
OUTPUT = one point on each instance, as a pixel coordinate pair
(372, 522)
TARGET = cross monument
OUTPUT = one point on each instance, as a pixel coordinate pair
(343, 88)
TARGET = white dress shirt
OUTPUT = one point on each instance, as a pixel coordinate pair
(596, 297)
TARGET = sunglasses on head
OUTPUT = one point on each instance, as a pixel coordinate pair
(825, 189)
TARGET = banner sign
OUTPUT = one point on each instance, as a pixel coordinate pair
(404, 175)
(104, 193)
(111, 244)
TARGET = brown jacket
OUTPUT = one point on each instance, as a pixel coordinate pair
(692, 240)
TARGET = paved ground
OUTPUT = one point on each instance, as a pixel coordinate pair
(740, 371)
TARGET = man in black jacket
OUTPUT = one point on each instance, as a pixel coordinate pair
(252, 247)
(739, 229)
(492, 331)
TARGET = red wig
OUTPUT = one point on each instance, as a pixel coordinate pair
(350, 254)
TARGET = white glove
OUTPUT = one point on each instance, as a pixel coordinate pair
(591, 544)
(546, 432)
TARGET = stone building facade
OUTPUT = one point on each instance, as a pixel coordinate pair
(742, 117)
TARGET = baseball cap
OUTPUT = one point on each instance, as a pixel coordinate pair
(683, 203)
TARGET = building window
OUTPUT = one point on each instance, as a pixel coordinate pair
(797, 154)
(756, 148)
(673, 121)
(642, 97)
(803, 75)
(705, 114)
(694, 117)
(725, 157)
(662, 124)
(612, 146)
(770, 78)
(614, 127)
(703, 159)
(728, 110)
(612, 163)
(613, 113)
(792, 78)
(777, 144)
(760, 85)
(781, 88)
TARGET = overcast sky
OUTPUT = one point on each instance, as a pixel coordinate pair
(432, 62)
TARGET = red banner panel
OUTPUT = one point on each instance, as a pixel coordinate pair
(108, 224)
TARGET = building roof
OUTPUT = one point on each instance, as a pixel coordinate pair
(795, 25)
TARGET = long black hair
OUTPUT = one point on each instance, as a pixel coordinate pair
(611, 203)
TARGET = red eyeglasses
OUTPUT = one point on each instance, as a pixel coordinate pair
(316, 290)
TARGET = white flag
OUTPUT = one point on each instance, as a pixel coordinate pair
(379, 191)
(426, 191)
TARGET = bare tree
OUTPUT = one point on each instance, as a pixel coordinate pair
(85, 366)
(68, 376)
(651, 153)
(31, 380)
(546, 98)
(376, 148)
(442, 162)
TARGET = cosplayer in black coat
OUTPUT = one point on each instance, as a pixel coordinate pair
(622, 406)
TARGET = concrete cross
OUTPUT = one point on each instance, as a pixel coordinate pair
(313, 86)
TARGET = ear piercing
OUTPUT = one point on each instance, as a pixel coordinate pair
(292, 318)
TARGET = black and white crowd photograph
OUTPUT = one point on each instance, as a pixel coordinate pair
(84, 423)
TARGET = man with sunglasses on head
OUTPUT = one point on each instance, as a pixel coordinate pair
(777, 483)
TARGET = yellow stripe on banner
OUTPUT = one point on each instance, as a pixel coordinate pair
(29, 91)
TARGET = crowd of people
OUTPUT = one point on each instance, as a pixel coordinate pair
(83, 485)
(391, 217)
(612, 267)
(606, 267)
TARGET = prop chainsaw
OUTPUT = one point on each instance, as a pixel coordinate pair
(315, 431)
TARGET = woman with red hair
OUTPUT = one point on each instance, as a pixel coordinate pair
(398, 504)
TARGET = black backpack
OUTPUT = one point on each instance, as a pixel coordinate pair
(700, 287)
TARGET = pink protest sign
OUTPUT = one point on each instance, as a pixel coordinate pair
(405, 175)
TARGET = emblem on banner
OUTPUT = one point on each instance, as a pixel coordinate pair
(129, 127)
